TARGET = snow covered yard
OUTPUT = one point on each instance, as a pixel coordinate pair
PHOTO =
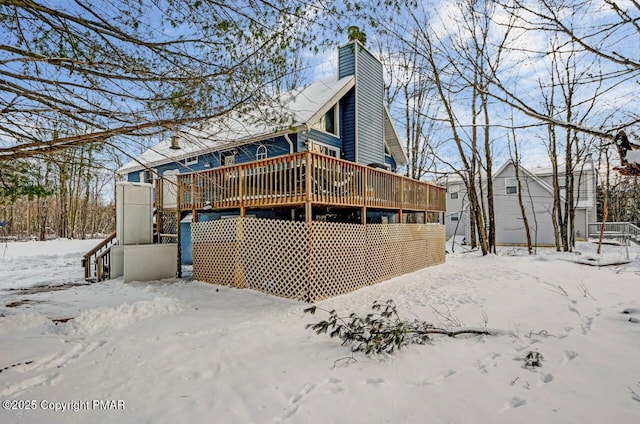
(185, 351)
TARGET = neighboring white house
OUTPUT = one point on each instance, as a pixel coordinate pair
(537, 194)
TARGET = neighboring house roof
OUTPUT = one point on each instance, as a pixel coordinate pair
(530, 174)
(533, 175)
(297, 110)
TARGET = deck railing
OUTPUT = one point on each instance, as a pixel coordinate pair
(305, 177)
(622, 231)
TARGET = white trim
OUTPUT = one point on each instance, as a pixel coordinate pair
(192, 160)
(514, 184)
(334, 100)
(312, 142)
(261, 152)
(319, 124)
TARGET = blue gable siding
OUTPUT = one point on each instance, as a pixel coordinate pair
(370, 110)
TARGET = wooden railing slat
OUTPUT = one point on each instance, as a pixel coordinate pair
(280, 181)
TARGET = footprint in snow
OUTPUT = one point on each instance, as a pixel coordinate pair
(570, 355)
(546, 378)
(631, 311)
(296, 400)
(516, 402)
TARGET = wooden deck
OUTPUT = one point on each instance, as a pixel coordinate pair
(306, 179)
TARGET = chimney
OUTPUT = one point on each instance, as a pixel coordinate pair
(175, 142)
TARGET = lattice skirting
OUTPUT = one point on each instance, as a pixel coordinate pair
(310, 262)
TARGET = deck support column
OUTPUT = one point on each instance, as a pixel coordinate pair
(365, 197)
(308, 207)
(399, 216)
(243, 209)
(194, 210)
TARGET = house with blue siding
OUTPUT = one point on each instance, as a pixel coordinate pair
(342, 116)
(327, 152)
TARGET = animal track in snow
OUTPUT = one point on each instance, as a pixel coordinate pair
(516, 402)
(546, 378)
(570, 355)
(29, 383)
(296, 400)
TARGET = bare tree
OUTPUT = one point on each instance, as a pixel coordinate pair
(607, 31)
(515, 157)
(414, 90)
(138, 68)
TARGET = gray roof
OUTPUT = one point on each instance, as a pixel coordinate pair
(303, 107)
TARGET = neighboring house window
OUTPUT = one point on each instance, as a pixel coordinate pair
(453, 191)
(191, 161)
(454, 216)
(227, 158)
(329, 122)
(563, 188)
(324, 149)
(261, 152)
(511, 186)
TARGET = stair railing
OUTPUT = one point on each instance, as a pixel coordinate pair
(97, 261)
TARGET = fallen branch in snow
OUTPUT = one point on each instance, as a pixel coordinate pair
(382, 330)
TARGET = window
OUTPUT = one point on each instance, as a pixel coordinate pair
(261, 152)
(227, 158)
(454, 216)
(453, 191)
(315, 146)
(329, 122)
(511, 186)
(191, 161)
(147, 176)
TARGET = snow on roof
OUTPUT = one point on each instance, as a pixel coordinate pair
(296, 108)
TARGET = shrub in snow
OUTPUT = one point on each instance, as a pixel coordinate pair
(381, 331)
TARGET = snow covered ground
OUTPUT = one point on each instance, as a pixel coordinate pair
(185, 351)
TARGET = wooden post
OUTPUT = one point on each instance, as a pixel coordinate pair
(241, 192)
(401, 194)
(308, 207)
(193, 199)
(365, 197)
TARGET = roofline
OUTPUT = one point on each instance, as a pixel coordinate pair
(333, 100)
(212, 149)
